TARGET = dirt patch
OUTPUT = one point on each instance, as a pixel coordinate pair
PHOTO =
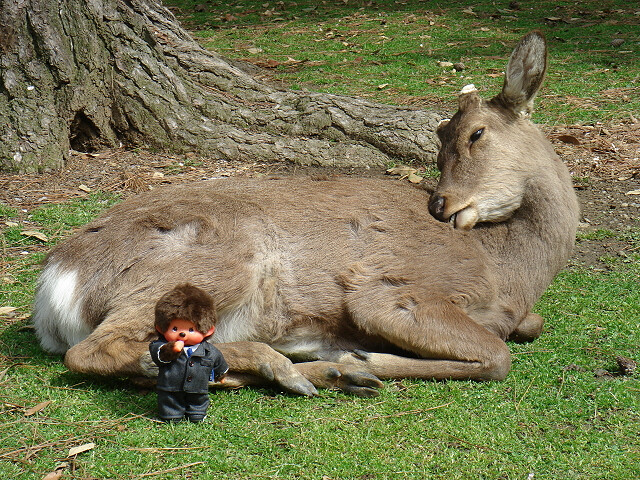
(603, 159)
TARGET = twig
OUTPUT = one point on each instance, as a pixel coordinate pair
(410, 412)
(526, 391)
(481, 447)
(160, 472)
(158, 449)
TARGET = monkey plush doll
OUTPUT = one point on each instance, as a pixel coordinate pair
(185, 317)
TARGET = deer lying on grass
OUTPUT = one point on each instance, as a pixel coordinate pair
(352, 279)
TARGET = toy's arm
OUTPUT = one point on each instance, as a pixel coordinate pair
(162, 353)
(221, 368)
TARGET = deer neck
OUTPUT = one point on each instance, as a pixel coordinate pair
(531, 247)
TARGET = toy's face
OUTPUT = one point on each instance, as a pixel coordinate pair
(185, 331)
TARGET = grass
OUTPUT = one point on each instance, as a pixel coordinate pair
(552, 418)
(391, 50)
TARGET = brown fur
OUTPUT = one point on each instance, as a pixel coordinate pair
(186, 302)
(351, 278)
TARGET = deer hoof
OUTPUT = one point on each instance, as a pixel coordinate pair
(288, 379)
(299, 386)
(360, 384)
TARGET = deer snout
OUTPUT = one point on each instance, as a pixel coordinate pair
(436, 207)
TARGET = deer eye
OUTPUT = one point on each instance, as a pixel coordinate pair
(476, 135)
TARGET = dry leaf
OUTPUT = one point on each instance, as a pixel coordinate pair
(382, 86)
(10, 224)
(445, 64)
(413, 178)
(84, 188)
(569, 139)
(6, 310)
(39, 407)
(57, 473)
(80, 449)
(254, 50)
(402, 170)
(633, 192)
(35, 234)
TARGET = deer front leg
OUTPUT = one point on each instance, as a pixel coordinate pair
(332, 376)
(449, 343)
(252, 363)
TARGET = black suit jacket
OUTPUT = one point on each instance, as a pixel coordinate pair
(189, 374)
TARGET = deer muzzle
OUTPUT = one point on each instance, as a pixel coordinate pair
(463, 219)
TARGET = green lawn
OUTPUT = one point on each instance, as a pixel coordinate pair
(390, 50)
(553, 418)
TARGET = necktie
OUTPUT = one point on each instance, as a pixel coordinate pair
(189, 351)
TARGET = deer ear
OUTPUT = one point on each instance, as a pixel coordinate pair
(525, 72)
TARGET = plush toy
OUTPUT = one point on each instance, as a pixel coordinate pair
(185, 317)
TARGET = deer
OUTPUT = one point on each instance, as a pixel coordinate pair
(335, 282)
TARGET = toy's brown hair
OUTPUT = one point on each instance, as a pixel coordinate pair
(187, 302)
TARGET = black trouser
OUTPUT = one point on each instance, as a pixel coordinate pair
(172, 406)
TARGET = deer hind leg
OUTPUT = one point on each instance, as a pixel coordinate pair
(449, 343)
(112, 349)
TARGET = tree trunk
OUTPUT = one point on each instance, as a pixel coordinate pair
(87, 74)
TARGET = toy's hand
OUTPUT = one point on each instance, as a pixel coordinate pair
(170, 351)
(221, 378)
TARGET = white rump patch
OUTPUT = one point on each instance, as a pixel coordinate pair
(57, 319)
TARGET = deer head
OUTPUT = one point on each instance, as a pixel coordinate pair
(490, 148)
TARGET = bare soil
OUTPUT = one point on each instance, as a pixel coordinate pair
(603, 159)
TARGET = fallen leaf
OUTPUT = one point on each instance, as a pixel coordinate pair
(10, 224)
(569, 139)
(383, 86)
(413, 178)
(254, 50)
(633, 192)
(445, 64)
(57, 473)
(6, 310)
(84, 188)
(402, 170)
(39, 407)
(469, 11)
(80, 449)
(35, 234)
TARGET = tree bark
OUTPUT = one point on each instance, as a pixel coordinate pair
(87, 74)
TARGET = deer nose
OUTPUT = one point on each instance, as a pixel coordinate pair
(182, 334)
(436, 207)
